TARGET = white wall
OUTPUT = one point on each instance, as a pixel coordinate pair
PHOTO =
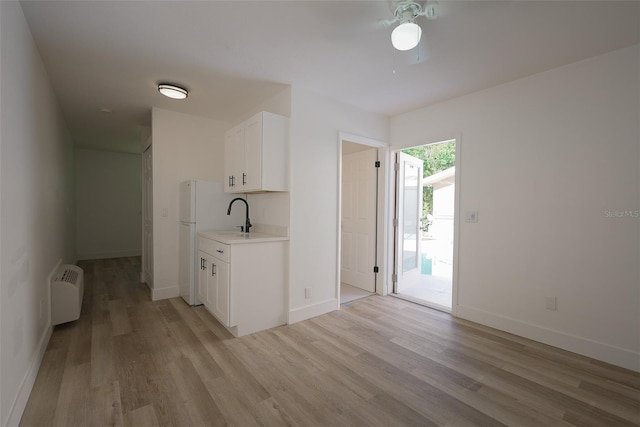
(37, 223)
(280, 104)
(184, 147)
(269, 209)
(315, 123)
(108, 204)
(543, 159)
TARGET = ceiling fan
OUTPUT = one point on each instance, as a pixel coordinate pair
(407, 34)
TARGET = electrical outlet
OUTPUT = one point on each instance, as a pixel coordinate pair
(551, 303)
(307, 293)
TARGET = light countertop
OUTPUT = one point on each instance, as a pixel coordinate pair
(234, 236)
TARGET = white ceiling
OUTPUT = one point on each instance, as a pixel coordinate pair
(233, 54)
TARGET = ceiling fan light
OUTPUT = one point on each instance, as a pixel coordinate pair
(406, 36)
(172, 91)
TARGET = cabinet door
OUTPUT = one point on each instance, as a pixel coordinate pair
(237, 162)
(203, 278)
(220, 303)
(252, 178)
(257, 155)
(212, 284)
(228, 160)
(234, 159)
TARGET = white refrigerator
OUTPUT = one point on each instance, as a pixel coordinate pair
(203, 206)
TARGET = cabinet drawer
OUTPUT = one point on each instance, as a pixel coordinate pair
(212, 247)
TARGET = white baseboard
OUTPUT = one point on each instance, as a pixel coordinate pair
(618, 356)
(164, 293)
(26, 385)
(109, 254)
(313, 310)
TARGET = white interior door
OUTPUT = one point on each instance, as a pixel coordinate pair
(147, 218)
(359, 219)
(408, 213)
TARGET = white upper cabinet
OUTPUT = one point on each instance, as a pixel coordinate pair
(257, 155)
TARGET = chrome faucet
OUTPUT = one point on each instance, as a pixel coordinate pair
(247, 222)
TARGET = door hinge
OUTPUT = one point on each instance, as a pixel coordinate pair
(395, 222)
(396, 166)
(394, 278)
(377, 163)
(376, 269)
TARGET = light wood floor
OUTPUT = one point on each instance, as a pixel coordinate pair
(380, 361)
(350, 293)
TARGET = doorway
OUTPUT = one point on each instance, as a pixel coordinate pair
(424, 230)
(361, 218)
(358, 227)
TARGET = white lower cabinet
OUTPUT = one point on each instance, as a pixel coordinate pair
(244, 285)
(219, 290)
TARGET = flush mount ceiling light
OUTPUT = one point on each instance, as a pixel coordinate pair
(407, 35)
(172, 91)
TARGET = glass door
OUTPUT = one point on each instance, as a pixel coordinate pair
(408, 214)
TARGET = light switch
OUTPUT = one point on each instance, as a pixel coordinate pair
(471, 216)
